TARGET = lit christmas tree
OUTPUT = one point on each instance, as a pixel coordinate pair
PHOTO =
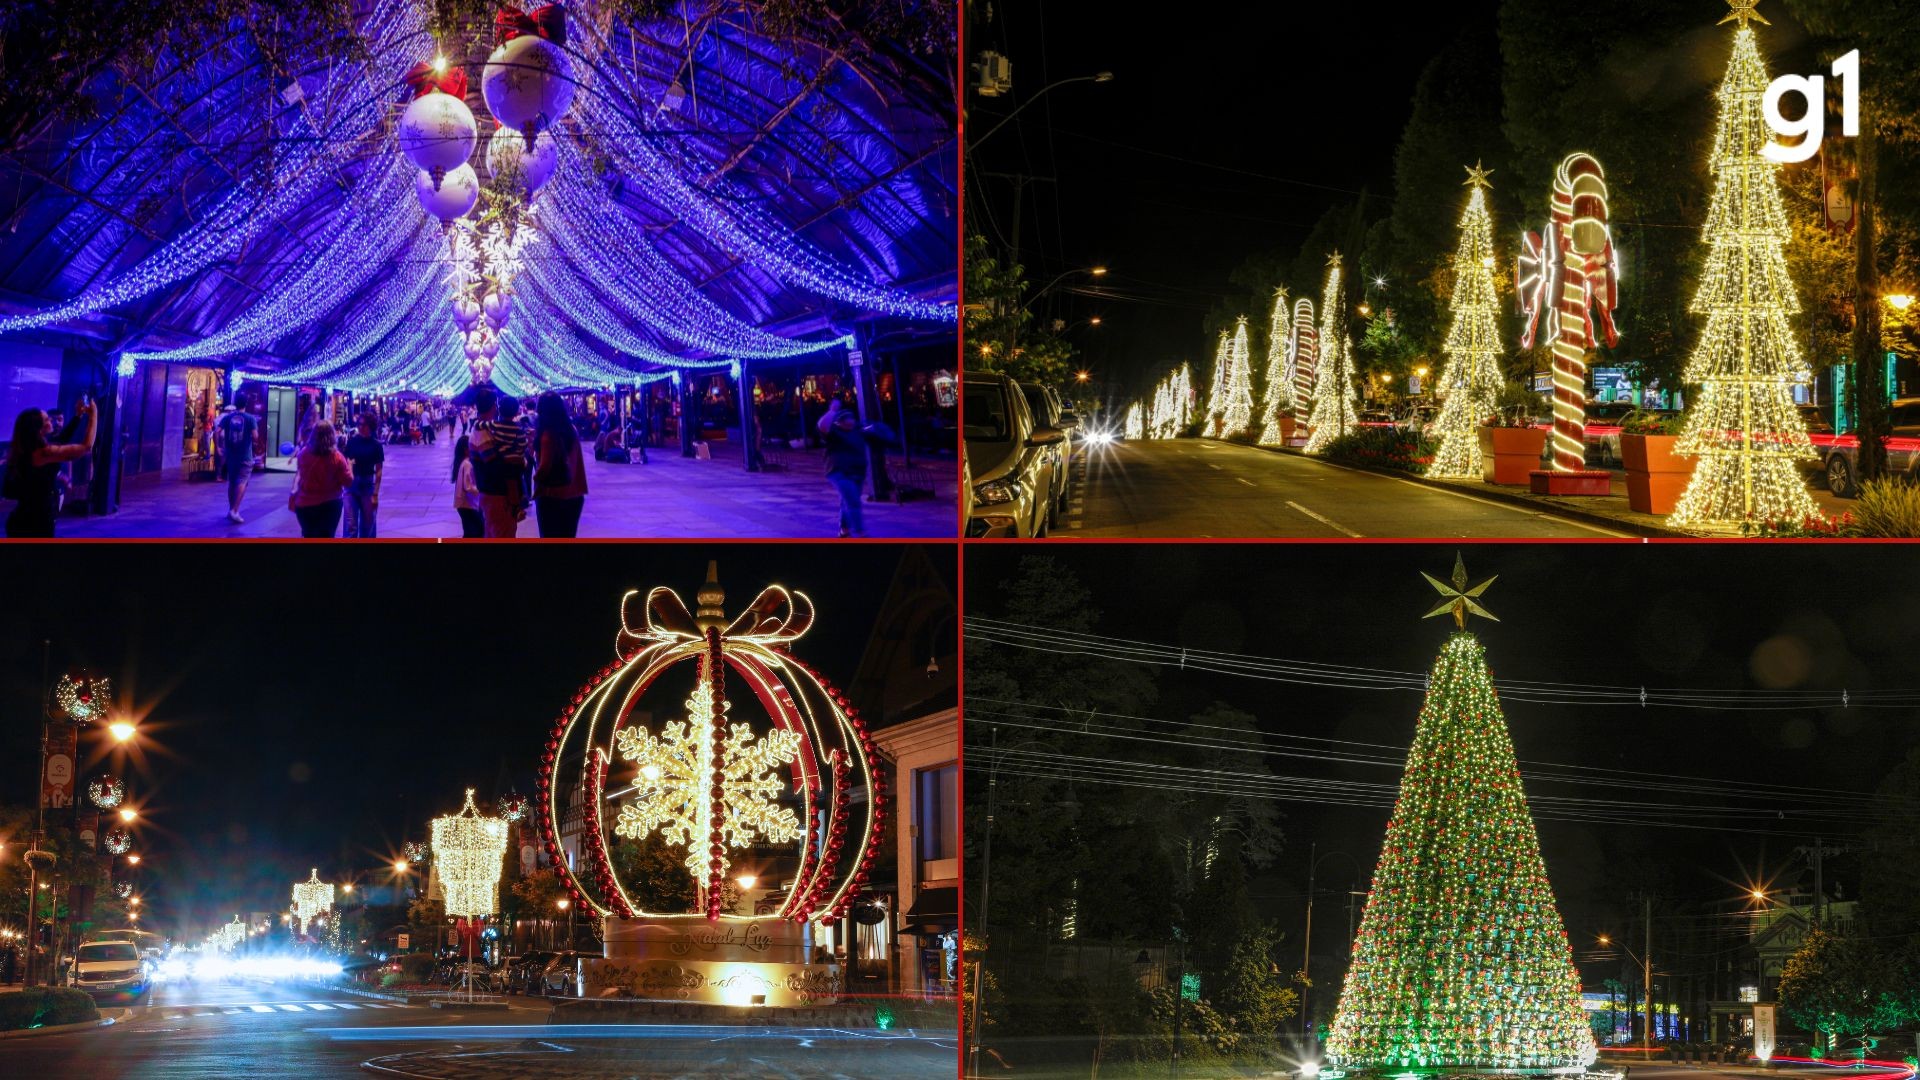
(1461, 960)
(1471, 379)
(1333, 414)
(1217, 390)
(1280, 353)
(1235, 406)
(1136, 422)
(1745, 427)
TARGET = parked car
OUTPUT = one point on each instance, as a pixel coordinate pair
(1011, 483)
(1839, 459)
(562, 974)
(484, 977)
(111, 969)
(519, 973)
(1044, 404)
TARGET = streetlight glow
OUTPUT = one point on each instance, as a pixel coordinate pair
(746, 881)
(133, 859)
(122, 730)
(128, 813)
(1100, 271)
(1095, 320)
(1900, 301)
(399, 866)
(562, 903)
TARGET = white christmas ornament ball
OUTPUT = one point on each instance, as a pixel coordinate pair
(507, 153)
(527, 84)
(437, 133)
(456, 194)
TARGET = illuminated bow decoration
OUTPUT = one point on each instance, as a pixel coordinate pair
(423, 79)
(548, 21)
(776, 618)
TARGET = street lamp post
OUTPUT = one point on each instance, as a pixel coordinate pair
(1096, 77)
(1306, 955)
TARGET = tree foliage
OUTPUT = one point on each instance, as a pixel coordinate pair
(1001, 332)
(1842, 986)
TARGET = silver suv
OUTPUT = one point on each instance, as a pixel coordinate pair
(1840, 454)
(1008, 458)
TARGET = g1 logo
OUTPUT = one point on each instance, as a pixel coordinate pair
(1812, 127)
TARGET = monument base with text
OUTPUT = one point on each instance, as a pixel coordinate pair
(738, 962)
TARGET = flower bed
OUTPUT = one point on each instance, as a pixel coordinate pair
(1383, 448)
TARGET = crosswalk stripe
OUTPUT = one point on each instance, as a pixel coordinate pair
(318, 1005)
(229, 1012)
(344, 1005)
(289, 1008)
(261, 1008)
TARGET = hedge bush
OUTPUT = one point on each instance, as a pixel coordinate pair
(417, 967)
(1383, 448)
(45, 1007)
(1888, 508)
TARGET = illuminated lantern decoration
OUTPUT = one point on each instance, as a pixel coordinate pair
(117, 841)
(466, 313)
(106, 792)
(513, 806)
(497, 306)
(81, 696)
(507, 157)
(1461, 963)
(528, 85)
(708, 784)
(451, 197)
(469, 850)
(312, 898)
(1565, 273)
(437, 133)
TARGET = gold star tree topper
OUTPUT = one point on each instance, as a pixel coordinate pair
(1458, 598)
(1743, 13)
(1477, 176)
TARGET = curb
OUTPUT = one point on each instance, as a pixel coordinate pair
(1497, 493)
(57, 1029)
(497, 1005)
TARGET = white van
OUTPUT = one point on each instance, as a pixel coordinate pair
(110, 969)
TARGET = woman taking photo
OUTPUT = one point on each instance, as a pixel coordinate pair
(33, 468)
(320, 480)
(560, 481)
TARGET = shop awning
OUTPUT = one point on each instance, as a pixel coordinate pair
(934, 911)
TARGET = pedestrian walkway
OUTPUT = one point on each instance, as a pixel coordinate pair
(249, 1008)
(671, 496)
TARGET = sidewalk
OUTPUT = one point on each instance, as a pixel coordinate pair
(1610, 510)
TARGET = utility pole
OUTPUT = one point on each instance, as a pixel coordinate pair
(1819, 881)
(1646, 966)
(1306, 955)
(986, 891)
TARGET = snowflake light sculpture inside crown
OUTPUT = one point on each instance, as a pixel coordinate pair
(708, 784)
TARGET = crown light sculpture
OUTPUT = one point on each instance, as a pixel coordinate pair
(716, 789)
(312, 898)
(468, 852)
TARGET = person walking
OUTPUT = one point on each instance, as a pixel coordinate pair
(369, 460)
(33, 468)
(847, 462)
(560, 481)
(236, 449)
(466, 494)
(320, 480)
(499, 451)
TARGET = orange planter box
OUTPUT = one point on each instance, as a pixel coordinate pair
(1656, 476)
(1508, 455)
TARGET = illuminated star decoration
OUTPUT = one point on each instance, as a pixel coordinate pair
(677, 784)
(1477, 176)
(1458, 598)
(1743, 13)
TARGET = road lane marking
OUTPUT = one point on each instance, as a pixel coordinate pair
(1550, 516)
(344, 1005)
(1328, 522)
(232, 1012)
(1246, 481)
(261, 1008)
(290, 1008)
(1211, 465)
(318, 1005)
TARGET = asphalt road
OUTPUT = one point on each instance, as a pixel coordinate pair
(1201, 488)
(213, 1030)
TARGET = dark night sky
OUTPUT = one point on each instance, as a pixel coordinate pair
(309, 704)
(1205, 148)
(1677, 616)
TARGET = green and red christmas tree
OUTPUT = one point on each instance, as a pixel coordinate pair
(1461, 961)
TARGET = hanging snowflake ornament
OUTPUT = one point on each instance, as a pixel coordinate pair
(81, 696)
(713, 784)
(118, 841)
(106, 791)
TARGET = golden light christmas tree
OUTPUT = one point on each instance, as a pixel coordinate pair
(1236, 406)
(1333, 414)
(1744, 426)
(1471, 380)
(1280, 354)
(1461, 961)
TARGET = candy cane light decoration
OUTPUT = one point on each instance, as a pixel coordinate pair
(707, 783)
(1563, 274)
